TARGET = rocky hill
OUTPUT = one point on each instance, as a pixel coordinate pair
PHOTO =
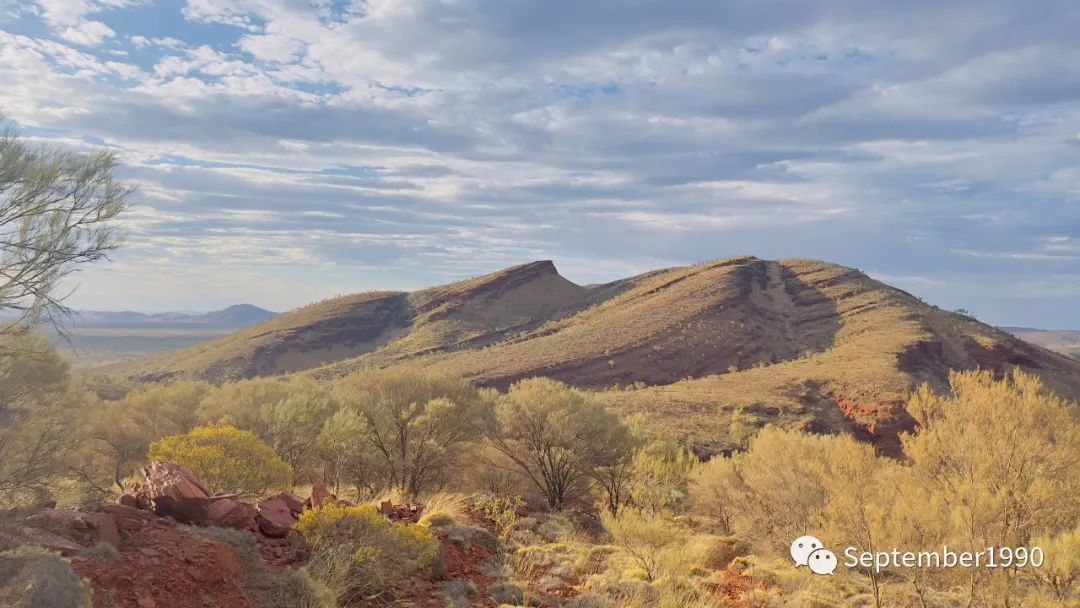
(707, 351)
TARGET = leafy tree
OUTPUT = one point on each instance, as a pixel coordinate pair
(1004, 457)
(554, 435)
(418, 423)
(226, 459)
(782, 475)
(1060, 572)
(114, 436)
(37, 403)
(345, 453)
(662, 472)
(288, 413)
(244, 404)
(57, 212)
(858, 506)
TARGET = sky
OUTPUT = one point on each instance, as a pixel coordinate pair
(291, 150)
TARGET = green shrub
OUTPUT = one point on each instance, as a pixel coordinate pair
(31, 577)
(436, 521)
(226, 459)
(357, 553)
(501, 510)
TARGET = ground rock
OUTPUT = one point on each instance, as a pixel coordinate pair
(275, 518)
(176, 492)
(231, 513)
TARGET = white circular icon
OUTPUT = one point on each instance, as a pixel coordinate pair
(822, 561)
(803, 547)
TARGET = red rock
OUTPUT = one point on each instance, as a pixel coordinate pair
(129, 500)
(176, 492)
(124, 512)
(145, 602)
(320, 496)
(231, 513)
(295, 504)
(15, 535)
(105, 528)
(275, 518)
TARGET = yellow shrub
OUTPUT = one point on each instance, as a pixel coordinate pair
(226, 459)
(356, 552)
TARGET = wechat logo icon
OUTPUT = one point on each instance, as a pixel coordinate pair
(811, 552)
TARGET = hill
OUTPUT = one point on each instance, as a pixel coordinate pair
(234, 317)
(1066, 342)
(707, 352)
(387, 326)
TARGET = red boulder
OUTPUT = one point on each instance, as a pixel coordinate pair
(320, 496)
(275, 518)
(176, 492)
(105, 528)
(231, 513)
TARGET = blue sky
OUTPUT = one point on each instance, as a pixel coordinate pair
(290, 150)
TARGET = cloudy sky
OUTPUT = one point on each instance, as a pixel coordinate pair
(289, 150)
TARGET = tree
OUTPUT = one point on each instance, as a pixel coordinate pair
(662, 472)
(288, 413)
(345, 452)
(857, 506)
(37, 403)
(554, 435)
(782, 474)
(114, 435)
(226, 459)
(1004, 457)
(57, 212)
(418, 423)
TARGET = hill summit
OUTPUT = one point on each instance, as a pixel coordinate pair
(707, 351)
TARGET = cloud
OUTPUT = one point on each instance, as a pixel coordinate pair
(410, 142)
(87, 33)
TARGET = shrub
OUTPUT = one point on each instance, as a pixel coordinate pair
(645, 538)
(357, 553)
(31, 577)
(226, 459)
(501, 510)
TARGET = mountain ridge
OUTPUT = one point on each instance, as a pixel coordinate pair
(700, 350)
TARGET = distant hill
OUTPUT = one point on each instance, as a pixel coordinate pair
(706, 352)
(235, 316)
(1064, 341)
(99, 339)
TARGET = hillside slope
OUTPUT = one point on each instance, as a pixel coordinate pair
(707, 352)
(393, 325)
(734, 344)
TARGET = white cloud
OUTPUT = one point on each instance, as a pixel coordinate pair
(87, 33)
(272, 47)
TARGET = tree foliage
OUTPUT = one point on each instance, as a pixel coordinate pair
(38, 403)
(57, 212)
(555, 436)
(419, 424)
(226, 459)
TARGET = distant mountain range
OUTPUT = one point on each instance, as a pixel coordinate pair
(1062, 340)
(233, 317)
